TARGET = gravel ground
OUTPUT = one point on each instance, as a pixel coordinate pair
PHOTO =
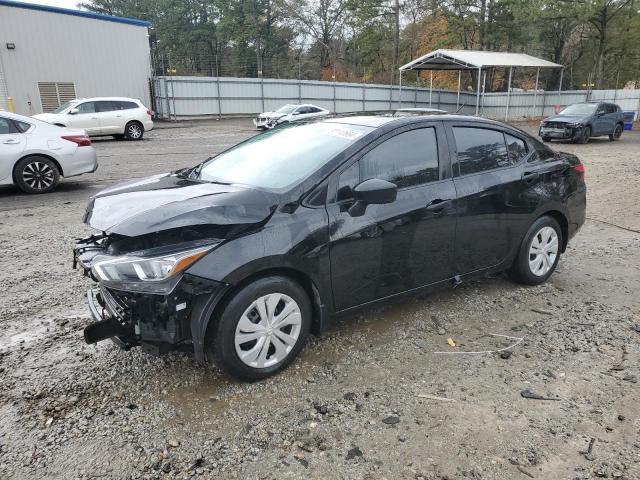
(373, 398)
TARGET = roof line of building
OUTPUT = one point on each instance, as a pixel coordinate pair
(76, 13)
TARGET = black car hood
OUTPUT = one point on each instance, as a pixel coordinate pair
(168, 201)
(567, 118)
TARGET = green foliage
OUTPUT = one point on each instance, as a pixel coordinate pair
(598, 41)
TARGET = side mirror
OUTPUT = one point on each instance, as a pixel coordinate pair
(295, 113)
(73, 111)
(372, 192)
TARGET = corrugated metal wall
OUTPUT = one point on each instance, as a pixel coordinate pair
(181, 97)
(101, 58)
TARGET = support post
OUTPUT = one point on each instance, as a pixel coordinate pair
(415, 90)
(560, 86)
(458, 97)
(484, 89)
(506, 112)
(478, 92)
(430, 87)
(400, 94)
(535, 93)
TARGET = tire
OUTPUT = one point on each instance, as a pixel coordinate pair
(617, 133)
(133, 131)
(36, 174)
(546, 139)
(241, 317)
(585, 135)
(530, 268)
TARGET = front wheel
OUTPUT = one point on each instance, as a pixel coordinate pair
(585, 135)
(133, 131)
(539, 253)
(36, 175)
(617, 133)
(262, 328)
(546, 139)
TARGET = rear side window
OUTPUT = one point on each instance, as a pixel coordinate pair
(5, 126)
(410, 158)
(480, 149)
(541, 153)
(120, 105)
(105, 106)
(516, 147)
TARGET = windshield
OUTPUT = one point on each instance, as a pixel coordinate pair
(281, 157)
(286, 109)
(580, 109)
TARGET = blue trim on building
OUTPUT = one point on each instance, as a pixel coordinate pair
(76, 13)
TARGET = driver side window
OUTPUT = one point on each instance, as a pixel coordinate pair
(87, 107)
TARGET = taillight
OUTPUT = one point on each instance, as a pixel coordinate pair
(579, 169)
(80, 140)
(149, 112)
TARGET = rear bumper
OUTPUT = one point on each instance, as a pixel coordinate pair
(82, 160)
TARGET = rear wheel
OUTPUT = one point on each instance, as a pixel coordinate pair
(617, 133)
(133, 131)
(36, 175)
(584, 135)
(262, 328)
(539, 253)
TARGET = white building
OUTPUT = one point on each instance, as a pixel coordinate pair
(49, 55)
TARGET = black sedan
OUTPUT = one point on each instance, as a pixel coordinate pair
(240, 257)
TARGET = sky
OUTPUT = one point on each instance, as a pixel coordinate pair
(56, 3)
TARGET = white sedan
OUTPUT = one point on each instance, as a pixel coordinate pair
(288, 113)
(34, 155)
(117, 116)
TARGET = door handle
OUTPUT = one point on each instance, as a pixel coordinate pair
(11, 141)
(530, 176)
(437, 205)
(94, 118)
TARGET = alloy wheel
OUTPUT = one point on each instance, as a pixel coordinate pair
(134, 131)
(38, 175)
(268, 330)
(617, 133)
(543, 251)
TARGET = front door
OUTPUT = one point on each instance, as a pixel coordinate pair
(493, 202)
(600, 122)
(86, 118)
(399, 246)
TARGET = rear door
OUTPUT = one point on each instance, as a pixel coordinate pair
(399, 246)
(492, 202)
(109, 114)
(12, 144)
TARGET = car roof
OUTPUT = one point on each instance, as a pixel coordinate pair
(92, 99)
(378, 120)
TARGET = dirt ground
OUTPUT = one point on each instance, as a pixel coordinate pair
(380, 396)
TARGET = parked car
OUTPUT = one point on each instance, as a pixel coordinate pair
(288, 113)
(119, 117)
(34, 155)
(241, 256)
(581, 121)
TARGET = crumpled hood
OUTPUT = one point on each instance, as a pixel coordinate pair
(167, 201)
(567, 118)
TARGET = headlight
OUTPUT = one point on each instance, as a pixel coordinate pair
(158, 274)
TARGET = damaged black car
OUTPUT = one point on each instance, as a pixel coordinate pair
(239, 258)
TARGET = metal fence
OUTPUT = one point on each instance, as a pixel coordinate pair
(179, 97)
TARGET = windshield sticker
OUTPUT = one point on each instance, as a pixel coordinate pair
(345, 133)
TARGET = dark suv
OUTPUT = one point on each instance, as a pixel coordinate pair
(581, 121)
(238, 258)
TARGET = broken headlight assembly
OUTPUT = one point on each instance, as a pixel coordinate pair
(157, 274)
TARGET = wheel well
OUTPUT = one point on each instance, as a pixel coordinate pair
(300, 278)
(564, 225)
(134, 121)
(59, 125)
(55, 162)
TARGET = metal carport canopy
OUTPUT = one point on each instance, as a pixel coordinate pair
(477, 60)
